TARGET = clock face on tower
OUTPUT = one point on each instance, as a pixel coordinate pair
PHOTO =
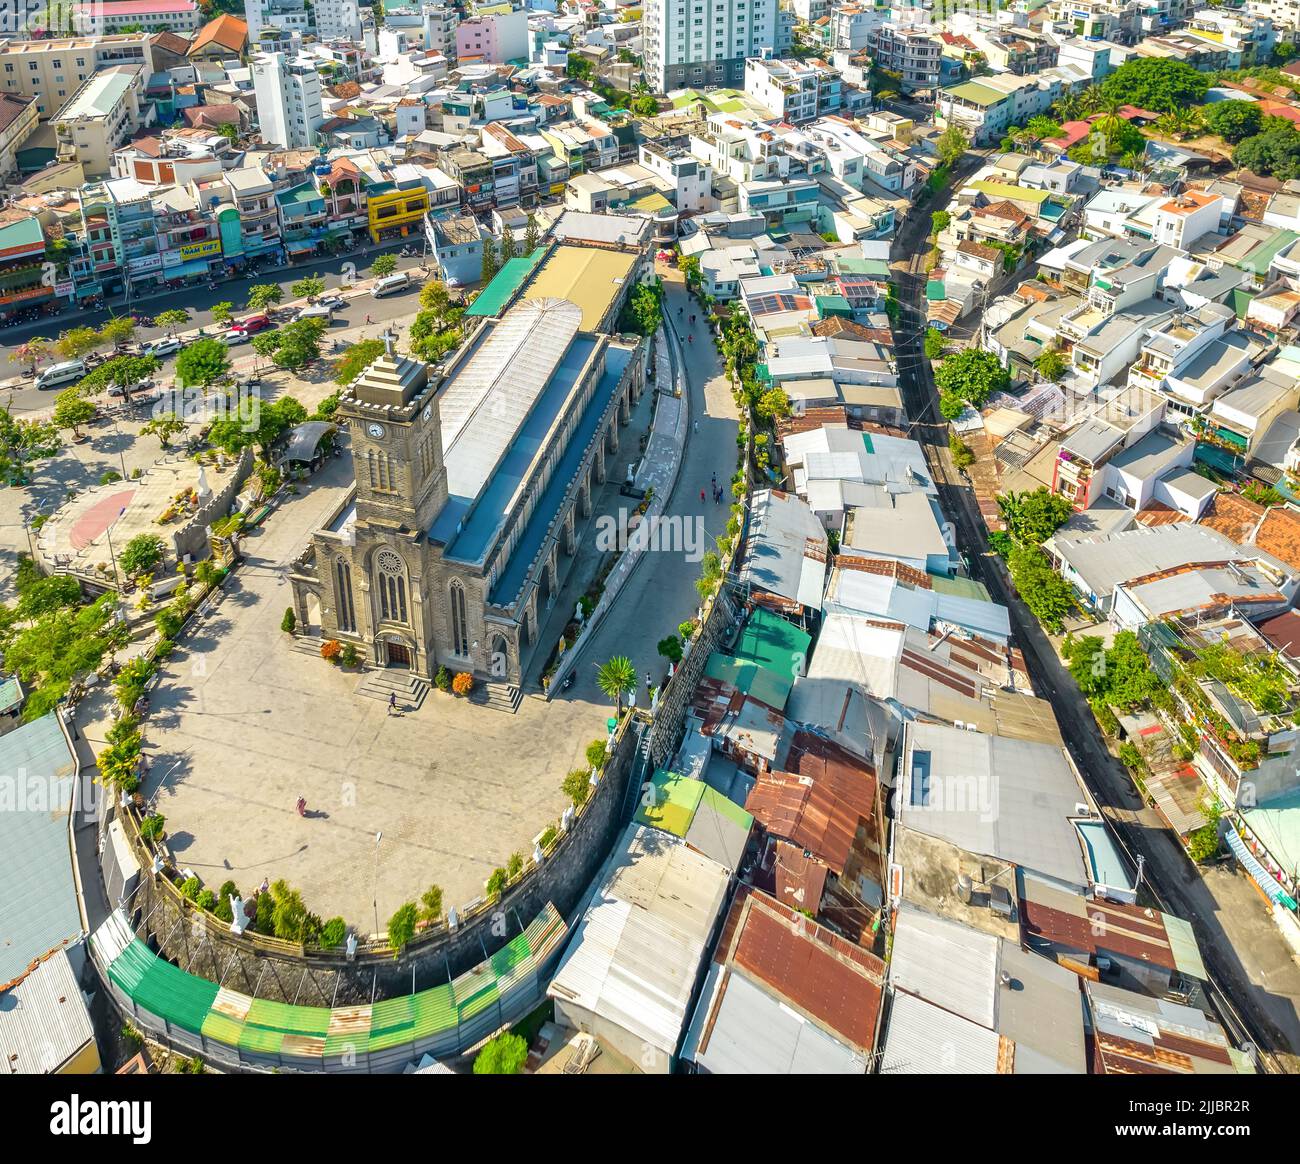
(376, 430)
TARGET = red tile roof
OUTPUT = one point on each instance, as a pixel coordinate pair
(226, 31)
(1279, 535)
(1233, 516)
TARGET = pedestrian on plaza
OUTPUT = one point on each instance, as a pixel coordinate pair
(367, 319)
(697, 427)
(649, 683)
(701, 496)
(392, 702)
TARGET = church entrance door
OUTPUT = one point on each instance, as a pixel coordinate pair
(398, 654)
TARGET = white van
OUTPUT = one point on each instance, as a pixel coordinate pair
(61, 374)
(391, 285)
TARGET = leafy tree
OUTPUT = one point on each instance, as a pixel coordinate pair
(645, 105)
(1274, 153)
(963, 456)
(202, 362)
(939, 221)
(689, 265)
(72, 410)
(1047, 595)
(1155, 83)
(489, 266)
(120, 370)
(164, 426)
(774, 403)
(531, 237)
(33, 353)
(141, 554)
(431, 904)
(933, 344)
(333, 933)
(596, 754)
(264, 296)
(616, 678)
(577, 786)
(229, 131)
(952, 145)
(578, 67)
(971, 375)
(671, 649)
(172, 320)
(266, 344)
(77, 342)
(1050, 364)
(299, 343)
(1087, 663)
(1033, 516)
(645, 308)
(59, 646)
(504, 1055)
(1203, 843)
(289, 622)
(119, 332)
(310, 288)
(436, 299)
(233, 434)
(383, 265)
(223, 312)
(401, 926)
(357, 359)
(508, 248)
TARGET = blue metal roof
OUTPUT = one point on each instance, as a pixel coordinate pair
(512, 577)
(38, 897)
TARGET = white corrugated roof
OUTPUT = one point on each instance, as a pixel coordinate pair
(925, 1040)
(635, 956)
(946, 963)
(43, 1020)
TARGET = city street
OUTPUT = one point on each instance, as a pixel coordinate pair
(1246, 956)
(21, 396)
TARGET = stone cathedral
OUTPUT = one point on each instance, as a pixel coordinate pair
(470, 478)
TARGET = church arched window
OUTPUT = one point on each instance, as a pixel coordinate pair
(347, 615)
(459, 622)
(391, 577)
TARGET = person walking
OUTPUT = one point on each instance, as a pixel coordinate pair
(392, 702)
(649, 683)
(701, 496)
(696, 427)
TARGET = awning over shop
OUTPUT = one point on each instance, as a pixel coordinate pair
(304, 247)
(1262, 877)
(185, 270)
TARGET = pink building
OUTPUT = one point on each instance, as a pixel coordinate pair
(493, 36)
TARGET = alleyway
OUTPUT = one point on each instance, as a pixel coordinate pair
(661, 592)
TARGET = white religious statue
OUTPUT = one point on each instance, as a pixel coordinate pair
(538, 855)
(238, 918)
(203, 489)
(566, 821)
(453, 919)
(578, 615)
(351, 945)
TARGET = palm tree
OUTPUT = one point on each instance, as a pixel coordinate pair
(1069, 107)
(616, 678)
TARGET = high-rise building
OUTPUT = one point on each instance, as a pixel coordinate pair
(337, 19)
(705, 42)
(288, 101)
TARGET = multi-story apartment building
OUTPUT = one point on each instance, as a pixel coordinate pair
(498, 35)
(337, 19)
(1114, 20)
(1285, 14)
(439, 22)
(911, 52)
(22, 267)
(188, 236)
(51, 69)
(473, 172)
(672, 160)
(397, 205)
(285, 15)
(105, 110)
(105, 17)
(793, 90)
(705, 42)
(1248, 38)
(288, 101)
(851, 26)
(250, 191)
(18, 119)
(514, 167)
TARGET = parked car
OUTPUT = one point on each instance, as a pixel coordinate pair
(252, 325)
(133, 389)
(163, 347)
(236, 335)
(333, 302)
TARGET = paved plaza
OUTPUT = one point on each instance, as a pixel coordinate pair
(243, 725)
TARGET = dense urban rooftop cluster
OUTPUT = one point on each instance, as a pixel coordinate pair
(1064, 236)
